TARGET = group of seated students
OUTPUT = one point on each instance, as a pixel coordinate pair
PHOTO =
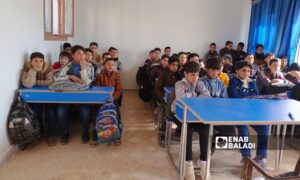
(227, 74)
(80, 65)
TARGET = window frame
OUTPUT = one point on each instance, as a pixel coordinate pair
(61, 36)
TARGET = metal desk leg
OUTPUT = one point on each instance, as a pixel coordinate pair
(278, 146)
(168, 135)
(210, 136)
(183, 144)
(282, 145)
(293, 131)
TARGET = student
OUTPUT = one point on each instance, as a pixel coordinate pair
(216, 89)
(114, 53)
(212, 53)
(284, 64)
(80, 71)
(97, 59)
(267, 59)
(239, 53)
(227, 63)
(193, 57)
(259, 55)
(242, 86)
(168, 78)
(150, 59)
(67, 47)
(167, 51)
(254, 69)
(293, 74)
(89, 58)
(37, 73)
(182, 56)
(158, 70)
(227, 49)
(271, 81)
(110, 77)
(64, 59)
(191, 87)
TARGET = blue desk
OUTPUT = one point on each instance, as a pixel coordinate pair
(167, 93)
(93, 95)
(234, 112)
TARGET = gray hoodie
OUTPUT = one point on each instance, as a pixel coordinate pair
(184, 89)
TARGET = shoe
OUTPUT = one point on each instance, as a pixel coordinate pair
(118, 142)
(189, 170)
(262, 162)
(51, 141)
(85, 138)
(155, 111)
(64, 139)
(202, 165)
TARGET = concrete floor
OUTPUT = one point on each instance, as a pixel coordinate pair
(138, 158)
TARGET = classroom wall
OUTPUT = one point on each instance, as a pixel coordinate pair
(136, 26)
(21, 33)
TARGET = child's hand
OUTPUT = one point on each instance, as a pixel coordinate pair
(83, 64)
(75, 79)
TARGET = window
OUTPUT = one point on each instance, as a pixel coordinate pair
(58, 19)
(297, 57)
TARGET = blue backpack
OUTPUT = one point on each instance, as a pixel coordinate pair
(107, 126)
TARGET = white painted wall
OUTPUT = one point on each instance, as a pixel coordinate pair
(136, 26)
(21, 33)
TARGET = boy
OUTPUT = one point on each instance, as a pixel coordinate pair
(96, 55)
(284, 64)
(113, 52)
(227, 63)
(239, 53)
(259, 55)
(64, 59)
(168, 78)
(182, 60)
(167, 51)
(89, 58)
(109, 77)
(212, 53)
(254, 68)
(216, 89)
(191, 87)
(158, 70)
(67, 47)
(227, 49)
(80, 71)
(267, 59)
(271, 81)
(242, 86)
(37, 73)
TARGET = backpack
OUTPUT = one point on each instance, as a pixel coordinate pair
(144, 84)
(108, 127)
(23, 126)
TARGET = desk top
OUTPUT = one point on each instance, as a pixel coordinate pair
(93, 89)
(221, 111)
(169, 89)
(93, 95)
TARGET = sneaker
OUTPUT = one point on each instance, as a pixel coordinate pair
(85, 139)
(155, 111)
(51, 141)
(64, 139)
(262, 162)
(202, 165)
(189, 170)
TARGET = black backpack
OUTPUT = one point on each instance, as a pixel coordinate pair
(23, 126)
(144, 84)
